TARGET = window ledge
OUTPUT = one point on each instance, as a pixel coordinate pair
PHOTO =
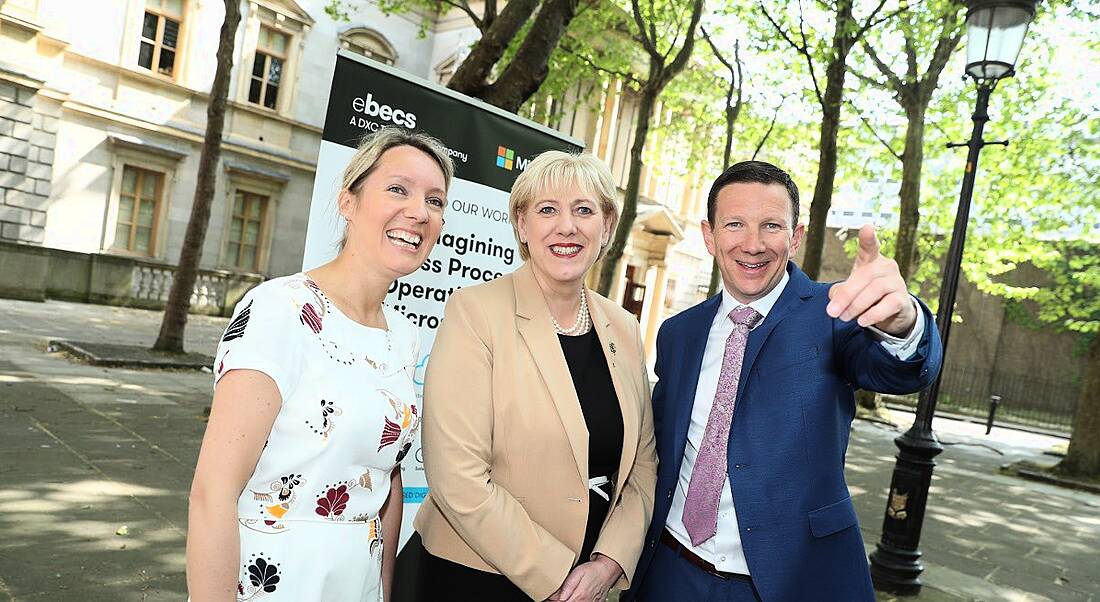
(30, 26)
(140, 145)
(256, 172)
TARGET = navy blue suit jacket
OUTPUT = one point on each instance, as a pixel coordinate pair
(795, 404)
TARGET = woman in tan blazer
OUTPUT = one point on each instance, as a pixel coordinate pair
(538, 432)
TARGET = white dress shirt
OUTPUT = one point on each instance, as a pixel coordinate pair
(724, 550)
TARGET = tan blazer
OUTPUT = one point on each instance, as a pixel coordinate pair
(505, 443)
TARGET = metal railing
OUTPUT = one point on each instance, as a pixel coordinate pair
(1023, 399)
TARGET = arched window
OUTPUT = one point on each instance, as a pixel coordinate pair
(370, 44)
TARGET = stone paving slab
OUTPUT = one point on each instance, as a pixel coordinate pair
(85, 450)
(113, 355)
(1034, 539)
(102, 323)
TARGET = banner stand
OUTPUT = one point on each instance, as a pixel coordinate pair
(490, 148)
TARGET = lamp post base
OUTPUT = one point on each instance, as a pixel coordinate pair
(895, 563)
(896, 570)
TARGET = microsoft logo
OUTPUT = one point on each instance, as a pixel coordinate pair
(505, 157)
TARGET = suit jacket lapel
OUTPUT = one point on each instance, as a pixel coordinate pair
(796, 292)
(682, 391)
(619, 366)
(537, 330)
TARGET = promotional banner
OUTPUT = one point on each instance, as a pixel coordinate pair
(489, 147)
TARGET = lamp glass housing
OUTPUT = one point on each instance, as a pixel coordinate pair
(994, 36)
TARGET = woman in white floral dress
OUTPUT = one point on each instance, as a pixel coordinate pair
(298, 482)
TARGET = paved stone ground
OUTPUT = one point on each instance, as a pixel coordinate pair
(986, 536)
(85, 451)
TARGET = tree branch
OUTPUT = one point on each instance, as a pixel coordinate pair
(779, 29)
(649, 44)
(490, 12)
(883, 68)
(568, 49)
(714, 49)
(464, 6)
(871, 22)
(529, 67)
(870, 81)
(806, 53)
(740, 75)
(910, 52)
(949, 40)
(684, 54)
(871, 129)
(802, 49)
(771, 126)
(653, 23)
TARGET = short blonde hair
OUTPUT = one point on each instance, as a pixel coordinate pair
(375, 144)
(556, 170)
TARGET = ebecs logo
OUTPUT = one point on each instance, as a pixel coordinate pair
(372, 108)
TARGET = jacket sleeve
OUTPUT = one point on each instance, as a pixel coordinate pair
(868, 365)
(457, 448)
(623, 536)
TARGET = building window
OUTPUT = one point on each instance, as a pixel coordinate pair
(267, 67)
(160, 35)
(445, 70)
(369, 44)
(138, 207)
(246, 228)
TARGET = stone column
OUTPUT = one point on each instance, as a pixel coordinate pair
(656, 300)
(618, 285)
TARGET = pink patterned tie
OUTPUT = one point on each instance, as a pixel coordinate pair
(708, 476)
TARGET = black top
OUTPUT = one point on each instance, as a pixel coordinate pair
(604, 419)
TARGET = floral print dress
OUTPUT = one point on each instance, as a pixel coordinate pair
(309, 515)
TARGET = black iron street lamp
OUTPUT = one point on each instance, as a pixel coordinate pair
(995, 31)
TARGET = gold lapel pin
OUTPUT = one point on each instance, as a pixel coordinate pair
(611, 346)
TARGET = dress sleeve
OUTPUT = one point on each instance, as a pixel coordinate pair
(261, 337)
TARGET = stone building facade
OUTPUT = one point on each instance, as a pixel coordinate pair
(28, 136)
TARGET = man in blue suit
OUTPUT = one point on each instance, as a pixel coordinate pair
(754, 403)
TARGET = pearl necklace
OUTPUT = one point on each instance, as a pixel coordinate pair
(583, 323)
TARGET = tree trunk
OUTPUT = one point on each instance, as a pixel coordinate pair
(610, 262)
(1083, 457)
(661, 72)
(179, 298)
(912, 161)
(529, 68)
(731, 119)
(473, 73)
(830, 123)
(715, 278)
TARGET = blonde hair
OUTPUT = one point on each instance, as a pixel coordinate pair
(555, 171)
(374, 145)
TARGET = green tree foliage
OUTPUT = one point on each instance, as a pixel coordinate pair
(826, 57)
(1034, 202)
(928, 34)
(666, 31)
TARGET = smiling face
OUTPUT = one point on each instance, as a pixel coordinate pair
(564, 231)
(752, 237)
(396, 214)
